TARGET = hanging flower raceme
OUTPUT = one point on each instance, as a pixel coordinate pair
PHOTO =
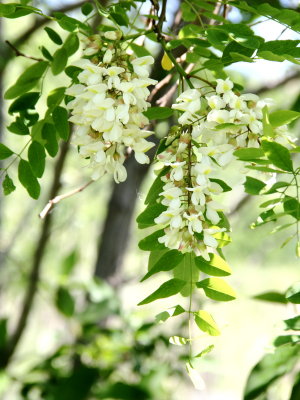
(213, 124)
(109, 100)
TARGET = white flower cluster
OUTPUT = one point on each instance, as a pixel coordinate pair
(191, 215)
(213, 126)
(108, 106)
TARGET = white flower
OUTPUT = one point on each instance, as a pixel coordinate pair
(140, 65)
(224, 86)
(177, 170)
(215, 102)
(219, 116)
(107, 56)
(194, 222)
(111, 35)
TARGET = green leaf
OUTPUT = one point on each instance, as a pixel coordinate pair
(173, 312)
(267, 127)
(46, 53)
(282, 117)
(275, 186)
(64, 301)
(249, 153)
(28, 180)
(5, 152)
(36, 158)
(151, 242)
(157, 187)
(215, 267)
(71, 44)
(292, 207)
(253, 186)
(187, 271)
(269, 369)
(8, 185)
(87, 8)
(207, 350)
(223, 239)
(60, 119)
(188, 14)
(27, 101)
(273, 297)
(293, 294)
(166, 263)
(178, 340)
(278, 155)
(206, 323)
(293, 323)
(280, 50)
(55, 97)
(54, 36)
(152, 211)
(155, 255)
(158, 113)
(295, 395)
(27, 80)
(18, 127)
(286, 339)
(49, 135)
(6, 9)
(140, 51)
(167, 289)
(60, 59)
(217, 289)
(69, 262)
(72, 72)
(223, 184)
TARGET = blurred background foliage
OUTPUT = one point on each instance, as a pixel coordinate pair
(85, 337)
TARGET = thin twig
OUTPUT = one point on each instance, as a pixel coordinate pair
(61, 197)
(20, 54)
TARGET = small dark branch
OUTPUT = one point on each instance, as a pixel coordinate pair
(20, 54)
(225, 10)
(37, 261)
(162, 17)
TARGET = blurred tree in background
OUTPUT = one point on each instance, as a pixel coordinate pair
(69, 326)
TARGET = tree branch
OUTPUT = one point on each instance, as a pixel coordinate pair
(38, 257)
(61, 197)
(19, 53)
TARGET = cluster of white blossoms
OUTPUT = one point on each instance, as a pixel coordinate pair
(108, 105)
(214, 123)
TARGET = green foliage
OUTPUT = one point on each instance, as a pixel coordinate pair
(269, 369)
(273, 297)
(5, 152)
(60, 119)
(278, 155)
(217, 289)
(167, 262)
(64, 301)
(253, 185)
(27, 81)
(216, 266)
(8, 185)
(28, 180)
(36, 158)
(54, 36)
(206, 323)
(167, 289)
(158, 113)
(293, 294)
